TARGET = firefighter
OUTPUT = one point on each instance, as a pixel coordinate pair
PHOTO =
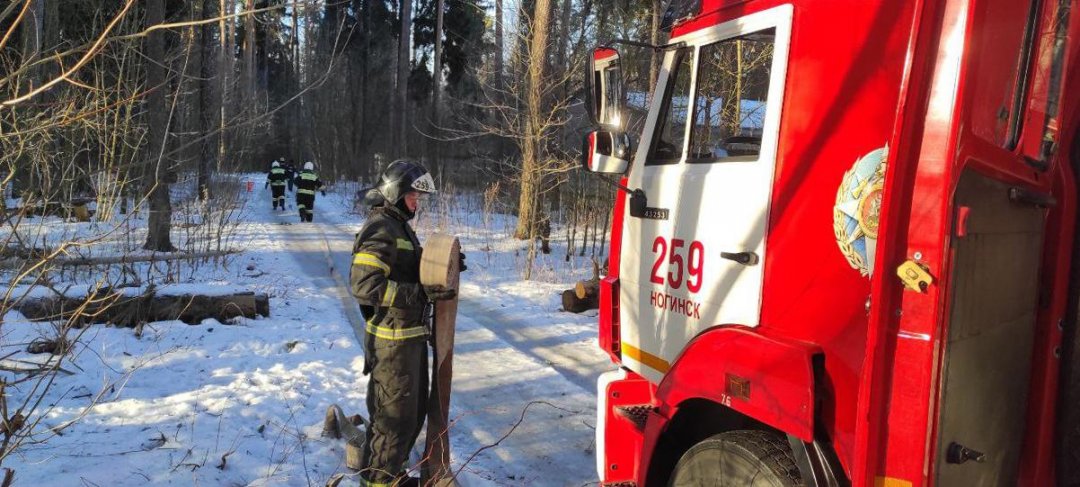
(276, 181)
(385, 279)
(290, 174)
(307, 182)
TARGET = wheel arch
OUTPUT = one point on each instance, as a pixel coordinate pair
(762, 383)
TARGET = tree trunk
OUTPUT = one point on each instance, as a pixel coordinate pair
(404, 52)
(295, 109)
(50, 40)
(365, 69)
(654, 64)
(33, 32)
(250, 39)
(529, 205)
(564, 43)
(157, 170)
(209, 97)
(195, 120)
(224, 73)
(436, 119)
(499, 50)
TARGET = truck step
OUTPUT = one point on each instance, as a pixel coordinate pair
(637, 414)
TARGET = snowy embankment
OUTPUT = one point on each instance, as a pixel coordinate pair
(243, 403)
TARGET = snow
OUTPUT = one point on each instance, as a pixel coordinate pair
(243, 403)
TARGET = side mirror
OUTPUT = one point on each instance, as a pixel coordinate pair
(605, 89)
(606, 152)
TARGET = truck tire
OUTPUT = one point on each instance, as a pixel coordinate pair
(737, 459)
(1068, 428)
(1068, 405)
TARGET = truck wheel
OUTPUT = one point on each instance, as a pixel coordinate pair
(737, 459)
(1068, 428)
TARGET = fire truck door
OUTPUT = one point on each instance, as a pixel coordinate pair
(990, 334)
(657, 171)
(707, 172)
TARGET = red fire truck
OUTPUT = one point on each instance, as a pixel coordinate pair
(841, 253)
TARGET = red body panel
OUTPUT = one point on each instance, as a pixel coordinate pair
(930, 80)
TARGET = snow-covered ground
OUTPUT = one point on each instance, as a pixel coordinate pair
(243, 403)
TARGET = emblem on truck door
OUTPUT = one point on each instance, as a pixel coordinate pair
(858, 209)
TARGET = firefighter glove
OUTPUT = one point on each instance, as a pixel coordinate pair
(461, 263)
(440, 293)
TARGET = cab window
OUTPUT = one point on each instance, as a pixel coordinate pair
(732, 94)
(670, 136)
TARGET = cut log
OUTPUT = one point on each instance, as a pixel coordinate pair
(128, 310)
(587, 289)
(573, 304)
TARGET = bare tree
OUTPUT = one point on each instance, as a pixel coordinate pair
(654, 64)
(33, 35)
(530, 211)
(250, 38)
(437, 77)
(157, 172)
(404, 63)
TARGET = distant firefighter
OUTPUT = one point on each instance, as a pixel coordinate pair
(290, 173)
(276, 181)
(307, 182)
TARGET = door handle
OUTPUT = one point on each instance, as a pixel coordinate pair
(744, 258)
(958, 453)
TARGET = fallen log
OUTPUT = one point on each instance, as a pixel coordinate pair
(587, 289)
(127, 309)
(130, 259)
(585, 295)
(14, 251)
(573, 304)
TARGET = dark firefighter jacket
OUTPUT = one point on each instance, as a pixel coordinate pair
(385, 276)
(277, 176)
(307, 182)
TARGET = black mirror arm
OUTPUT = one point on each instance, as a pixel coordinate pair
(623, 188)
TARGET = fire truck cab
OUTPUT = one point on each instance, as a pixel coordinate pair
(842, 249)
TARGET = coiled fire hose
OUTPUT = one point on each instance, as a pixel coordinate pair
(439, 267)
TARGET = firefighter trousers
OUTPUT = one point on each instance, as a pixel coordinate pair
(277, 192)
(305, 203)
(397, 404)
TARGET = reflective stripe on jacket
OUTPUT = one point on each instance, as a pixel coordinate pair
(308, 182)
(277, 176)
